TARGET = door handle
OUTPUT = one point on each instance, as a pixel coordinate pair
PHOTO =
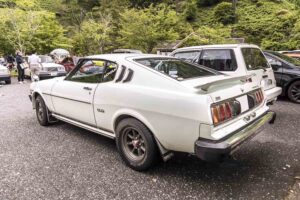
(87, 88)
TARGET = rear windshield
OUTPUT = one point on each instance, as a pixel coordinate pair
(254, 59)
(175, 68)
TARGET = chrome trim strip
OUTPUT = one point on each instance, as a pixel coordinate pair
(67, 98)
(84, 126)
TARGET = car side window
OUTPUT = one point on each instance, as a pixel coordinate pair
(93, 71)
(189, 56)
(219, 59)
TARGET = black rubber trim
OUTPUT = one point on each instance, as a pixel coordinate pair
(121, 74)
(129, 76)
(265, 76)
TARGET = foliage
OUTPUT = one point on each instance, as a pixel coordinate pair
(207, 35)
(224, 13)
(93, 37)
(145, 29)
(95, 26)
(207, 2)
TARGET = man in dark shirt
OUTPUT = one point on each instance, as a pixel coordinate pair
(19, 61)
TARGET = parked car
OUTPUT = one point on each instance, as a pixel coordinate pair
(5, 74)
(68, 63)
(134, 51)
(234, 60)
(48, 69)
(154, 105)
(2, 61)
(287, 74)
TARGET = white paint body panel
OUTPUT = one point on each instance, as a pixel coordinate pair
(172, 110)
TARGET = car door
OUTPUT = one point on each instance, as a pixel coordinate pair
(276, 65)
(73, 96)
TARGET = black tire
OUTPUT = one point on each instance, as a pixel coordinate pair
(41, 111)
(294, 92)
(8, 81)
(147, 142)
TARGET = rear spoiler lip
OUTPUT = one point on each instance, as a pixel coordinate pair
(206, 86)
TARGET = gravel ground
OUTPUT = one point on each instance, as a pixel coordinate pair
(66, 162)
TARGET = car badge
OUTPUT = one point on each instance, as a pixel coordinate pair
(242, 90)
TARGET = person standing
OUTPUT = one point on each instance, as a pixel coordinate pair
(19, 61)
(34, 65)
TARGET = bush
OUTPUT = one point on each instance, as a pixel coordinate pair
(190, 11)
(203, 3)
(224, 13)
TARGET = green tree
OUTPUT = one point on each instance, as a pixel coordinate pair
(224, 13)
(26, 28)
(93, 37)
(147, 28)
(209, 35)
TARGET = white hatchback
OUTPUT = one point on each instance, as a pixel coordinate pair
(154, 105)
(234, 60)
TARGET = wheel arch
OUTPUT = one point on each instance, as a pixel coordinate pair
(135, 115)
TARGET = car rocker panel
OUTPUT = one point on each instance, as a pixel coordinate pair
(177, 113)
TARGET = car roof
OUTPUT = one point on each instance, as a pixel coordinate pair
(218, 46)
(125, 56)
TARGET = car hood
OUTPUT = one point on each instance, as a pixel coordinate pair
(45, 65)
(2, 67)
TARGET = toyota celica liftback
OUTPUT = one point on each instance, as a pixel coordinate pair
(154, 105)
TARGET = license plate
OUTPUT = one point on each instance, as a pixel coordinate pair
(53, 73)
(244, 103)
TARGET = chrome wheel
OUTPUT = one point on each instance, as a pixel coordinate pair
(295, 92)
(133, 144)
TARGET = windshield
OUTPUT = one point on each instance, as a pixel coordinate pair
(254, 59)
(287, 58)
(175, 68)
(46, 59)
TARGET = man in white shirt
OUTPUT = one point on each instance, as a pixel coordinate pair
(34, 64)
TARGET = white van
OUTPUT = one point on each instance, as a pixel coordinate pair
(234, 60)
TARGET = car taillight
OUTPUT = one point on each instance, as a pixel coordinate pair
(225, 111)
(259, 96)
(222, 112)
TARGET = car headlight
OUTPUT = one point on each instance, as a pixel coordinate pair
(61, 69)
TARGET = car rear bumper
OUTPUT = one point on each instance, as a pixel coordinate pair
(210, 150)
(273, 93)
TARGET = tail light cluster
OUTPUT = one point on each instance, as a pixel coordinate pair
(227, 110)
(259, 96)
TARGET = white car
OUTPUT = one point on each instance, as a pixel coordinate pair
(234, 60)
(5, 74)
(154, 105)
(48, 68)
